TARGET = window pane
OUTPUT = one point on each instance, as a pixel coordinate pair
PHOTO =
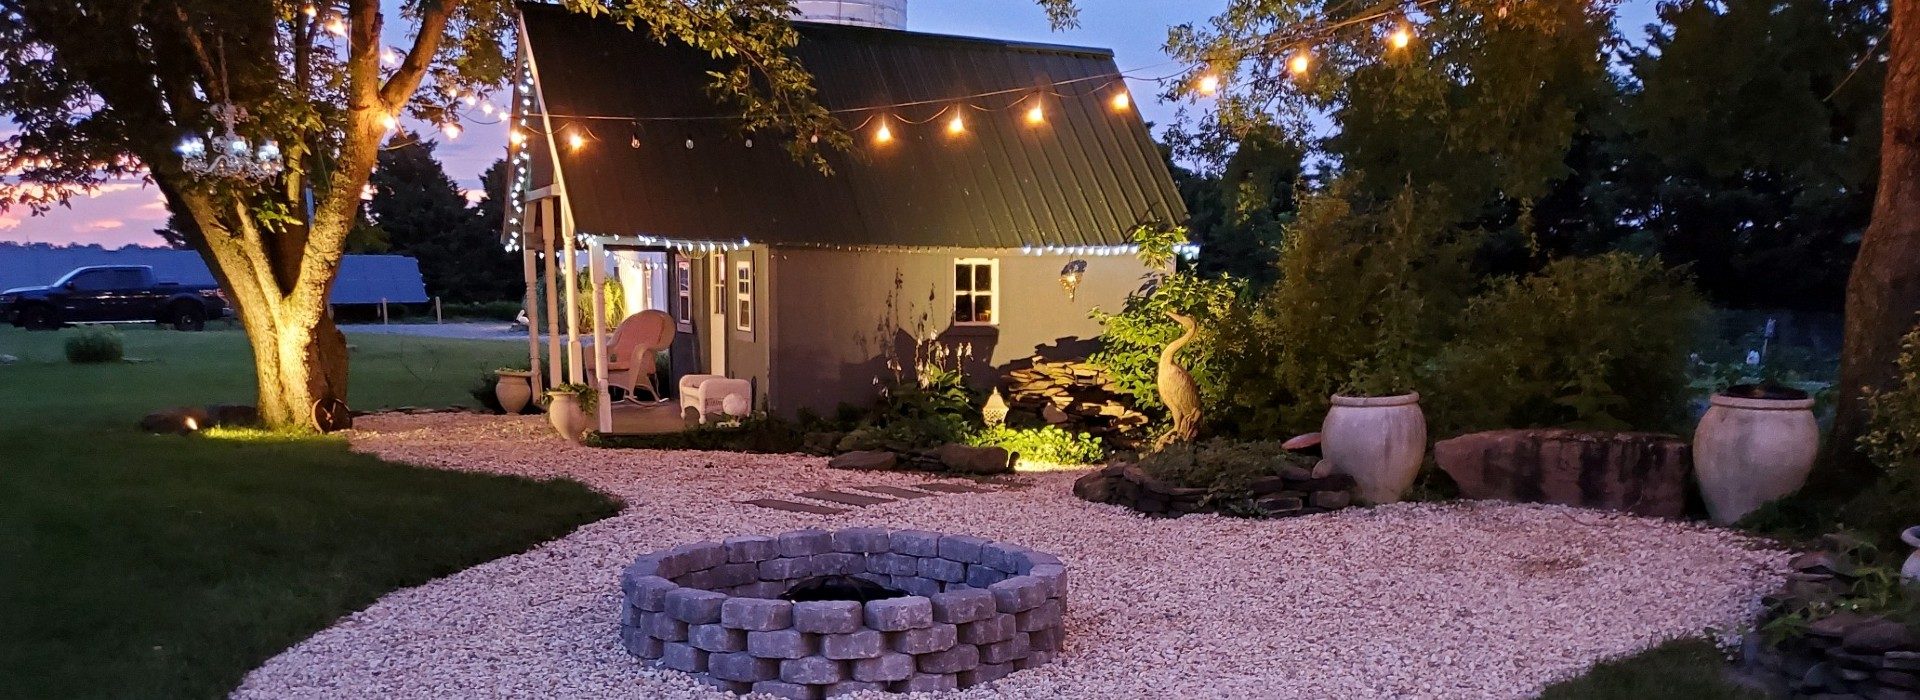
(983, 309)
(983, 278)
(963, 309)
(962, 278)
(93, 281)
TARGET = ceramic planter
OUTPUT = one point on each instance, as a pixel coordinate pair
(563, 413)
(514, 390)
(1380, 441)
(1910, 572)
(1753, 446)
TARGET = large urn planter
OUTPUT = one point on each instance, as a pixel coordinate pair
(1380, 441)
(514, 389)
(1910, 572)
(564, 414)
(1754, 445)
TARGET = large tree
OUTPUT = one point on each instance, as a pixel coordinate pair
(102, 89)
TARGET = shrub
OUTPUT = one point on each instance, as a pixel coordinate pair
(93, 346)
(759, 433)
(1892, 437)
(1131, 340)
(1226, 468)
(1596, 342)
(1045, 444)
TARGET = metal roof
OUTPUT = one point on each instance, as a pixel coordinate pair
(1088, 176)
(364, 279)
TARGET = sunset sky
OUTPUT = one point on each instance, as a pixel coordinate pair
(124, 213)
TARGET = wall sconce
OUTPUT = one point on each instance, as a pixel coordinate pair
(1070, 277)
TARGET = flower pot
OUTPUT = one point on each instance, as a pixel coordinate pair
(563, 413)
(1753, 446)
(1380, 441)
(1910, 572)
(513, 390)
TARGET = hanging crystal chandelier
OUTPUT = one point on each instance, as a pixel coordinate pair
(227, 155)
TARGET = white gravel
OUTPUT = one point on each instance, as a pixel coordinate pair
(1480, 600)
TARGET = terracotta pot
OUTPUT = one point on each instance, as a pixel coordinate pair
(1748, 451)
(563, 413)
(514, 390)
(1910, 572)
(1380, 441)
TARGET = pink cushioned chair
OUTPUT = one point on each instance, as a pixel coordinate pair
(633, 347)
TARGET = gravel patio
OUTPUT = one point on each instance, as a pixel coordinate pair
(1408, 600)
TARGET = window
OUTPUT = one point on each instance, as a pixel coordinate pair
(683, 287)
(743, 295)
(976, 292)
(107, 280)
(717, 285)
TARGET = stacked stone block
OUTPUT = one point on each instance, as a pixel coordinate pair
(977, 611)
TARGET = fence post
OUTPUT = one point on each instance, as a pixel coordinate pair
(437, 318)
(383, 311)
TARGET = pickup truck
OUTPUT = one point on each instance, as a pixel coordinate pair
(112, 294)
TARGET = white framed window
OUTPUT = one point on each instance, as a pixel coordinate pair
(976, 291)
(683, 292)
(717, 296)
(743, 294)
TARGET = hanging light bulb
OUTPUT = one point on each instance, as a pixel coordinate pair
(884, 134)
(575, 141)
(1300, 62)
(452, 129)
(1036, 115)
(1122, 101)
(517, 137)
(334, 25)
(634, 141)
(749, 142)
(689, 142)
(487, 108)
(471, 98)
(1400, 37)
(957, 125)
(309, 10)
(1208, 84)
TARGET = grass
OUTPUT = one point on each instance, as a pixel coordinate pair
(136, 565)
(1682, 670)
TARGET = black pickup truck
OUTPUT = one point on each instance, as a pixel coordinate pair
(112, 294)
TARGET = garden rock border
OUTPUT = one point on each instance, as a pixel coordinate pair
(977, 611)
(1842, 654)
(1293, 492)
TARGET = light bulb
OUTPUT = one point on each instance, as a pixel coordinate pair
(1400, 37)
(633, 142)
(452, 129)
(884, 134)
(575, 141)
(487, 108)
(689, 143)
(957, 125)
(389, 122)
(1036, 115)
(390, 57)
(516, 137)
(335, 26)
(1209, 84)
(309, 10)
(471, 98)
(749, 142)
(1122, 102)
(1299, 63)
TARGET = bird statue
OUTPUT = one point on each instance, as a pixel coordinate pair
(1177, 389)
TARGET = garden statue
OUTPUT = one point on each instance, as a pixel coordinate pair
(1910, 572)
(1177, 389)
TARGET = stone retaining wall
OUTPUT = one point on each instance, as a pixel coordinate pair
(977, 611)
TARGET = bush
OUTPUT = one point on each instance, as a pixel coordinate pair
(1046, 444)
(92, 346)
(1226, 468)
(760, 434)
(1892, 437)
(1131, 340)
(1596, 342)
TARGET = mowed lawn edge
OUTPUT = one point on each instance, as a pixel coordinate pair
(136, 565)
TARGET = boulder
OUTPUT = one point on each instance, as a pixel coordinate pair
(867, 460)
(1640, 473)
(967, 459)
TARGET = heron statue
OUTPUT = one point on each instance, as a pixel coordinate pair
(1177, 388)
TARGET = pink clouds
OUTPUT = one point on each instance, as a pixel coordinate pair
(116, 214)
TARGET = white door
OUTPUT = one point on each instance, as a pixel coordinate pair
(718, 296)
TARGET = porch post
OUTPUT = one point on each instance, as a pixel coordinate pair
(596, 274)
(575, 373)
(549, 231)
(532, 305)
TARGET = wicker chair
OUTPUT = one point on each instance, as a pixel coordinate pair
(632, 350)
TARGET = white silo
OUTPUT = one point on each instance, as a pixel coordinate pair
(886, 14)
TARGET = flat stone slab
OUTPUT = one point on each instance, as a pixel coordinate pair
(896, 491)
(791, 506)
(852, 499)
(953, 488)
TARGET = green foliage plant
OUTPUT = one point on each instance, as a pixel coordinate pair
(1892, 438)
(92, 346)
(1131, 340)
(588, 396)
(1226, 468)
(1050, 444)
(1597, 342)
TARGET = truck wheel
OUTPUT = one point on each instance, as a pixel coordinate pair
(187, 317)
(38, 318)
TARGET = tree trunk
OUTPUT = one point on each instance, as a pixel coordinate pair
(300, 364)
(1883, 291)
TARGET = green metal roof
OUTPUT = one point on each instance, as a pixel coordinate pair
(1086, 177)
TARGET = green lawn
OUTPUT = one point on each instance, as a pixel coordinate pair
(134, 565)
(1684, 670)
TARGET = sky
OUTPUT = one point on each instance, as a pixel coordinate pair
(124, 213)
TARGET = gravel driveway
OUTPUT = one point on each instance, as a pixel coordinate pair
(1477, 600)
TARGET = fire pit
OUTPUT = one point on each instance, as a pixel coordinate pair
(971, 611)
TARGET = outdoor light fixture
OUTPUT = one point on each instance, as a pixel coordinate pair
(1300, 62)
(1209, 84)
(389, 122)
(517, 137)
(1122, 102)
(884, 134)
(1037, 115)
(575, 141)
(226, 154)
(335, 26)
(957, 125)
(1070, 277)
(452, 129)
(1400, 37)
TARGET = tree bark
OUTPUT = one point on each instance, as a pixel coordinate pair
(1883, 291)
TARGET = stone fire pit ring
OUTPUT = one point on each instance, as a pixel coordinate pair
(976, 611)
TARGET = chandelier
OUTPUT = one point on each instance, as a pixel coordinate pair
(227, 155)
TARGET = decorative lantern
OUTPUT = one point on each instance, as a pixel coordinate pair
(1070, 277)
(995, 412)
